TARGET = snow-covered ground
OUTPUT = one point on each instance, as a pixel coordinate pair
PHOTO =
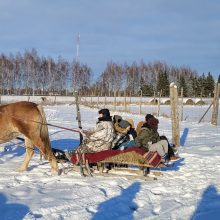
(188, 190)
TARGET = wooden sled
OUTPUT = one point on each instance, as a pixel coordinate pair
(125, 160)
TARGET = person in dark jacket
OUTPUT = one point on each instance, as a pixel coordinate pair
(125, 133)
(149, 139)
(141, 123)
(172, 151)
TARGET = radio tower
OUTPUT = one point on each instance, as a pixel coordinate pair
(77, 47)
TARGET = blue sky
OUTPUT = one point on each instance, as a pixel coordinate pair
(180, 33)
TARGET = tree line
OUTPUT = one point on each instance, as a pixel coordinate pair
(30, 74)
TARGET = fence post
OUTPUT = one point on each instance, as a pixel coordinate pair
(174, 114)
(98, 101)
(158, 104)
(55, 99)
(181, 104)
(214, 120)
(125, 101)
(114, 100)
(140, 103)
(91, 101)
(154, 98)
(105, 101)
(78, 115)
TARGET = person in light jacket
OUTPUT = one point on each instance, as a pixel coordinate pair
(99, 138)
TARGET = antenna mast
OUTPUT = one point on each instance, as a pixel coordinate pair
(77, 47)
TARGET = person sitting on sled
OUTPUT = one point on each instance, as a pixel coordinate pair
(172, 151)
(124, 133)
(149, 139)
(98, 139)
(141, 123)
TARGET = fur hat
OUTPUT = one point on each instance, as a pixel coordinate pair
(105, 112)
(153, 123)
(131, 122)
(148, 116)
(105, 115)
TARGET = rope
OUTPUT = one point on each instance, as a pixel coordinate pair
(37, 122)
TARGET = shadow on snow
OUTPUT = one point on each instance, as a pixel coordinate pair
(14, 210)
(119, 206)
(18, 149)
(172, 167)
(65, 144)
(184, 136)
(14, 149)
(208, 207)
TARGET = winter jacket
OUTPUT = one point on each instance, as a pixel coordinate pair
(100, 138)
(146, 135)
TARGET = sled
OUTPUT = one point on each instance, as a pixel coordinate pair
(130, 156)
(123, 160)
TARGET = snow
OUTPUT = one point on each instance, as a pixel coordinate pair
(190, 189)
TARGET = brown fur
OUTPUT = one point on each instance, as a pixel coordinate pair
(139, 126)
(29, 119)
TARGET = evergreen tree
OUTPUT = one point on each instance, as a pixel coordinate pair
(190, 87)
(209, 85)
(219, 78)
(163, 83)
(201, 82)
(182, 84)
(147, 89)
(195, 86)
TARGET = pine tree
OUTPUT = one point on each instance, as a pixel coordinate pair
(190, 87)
(209, 85)
(182, 84)
(219, 78)
(163, 83)
(147, 89)
(196, 86)
(201, 82)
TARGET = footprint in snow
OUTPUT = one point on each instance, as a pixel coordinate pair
(158, 191)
